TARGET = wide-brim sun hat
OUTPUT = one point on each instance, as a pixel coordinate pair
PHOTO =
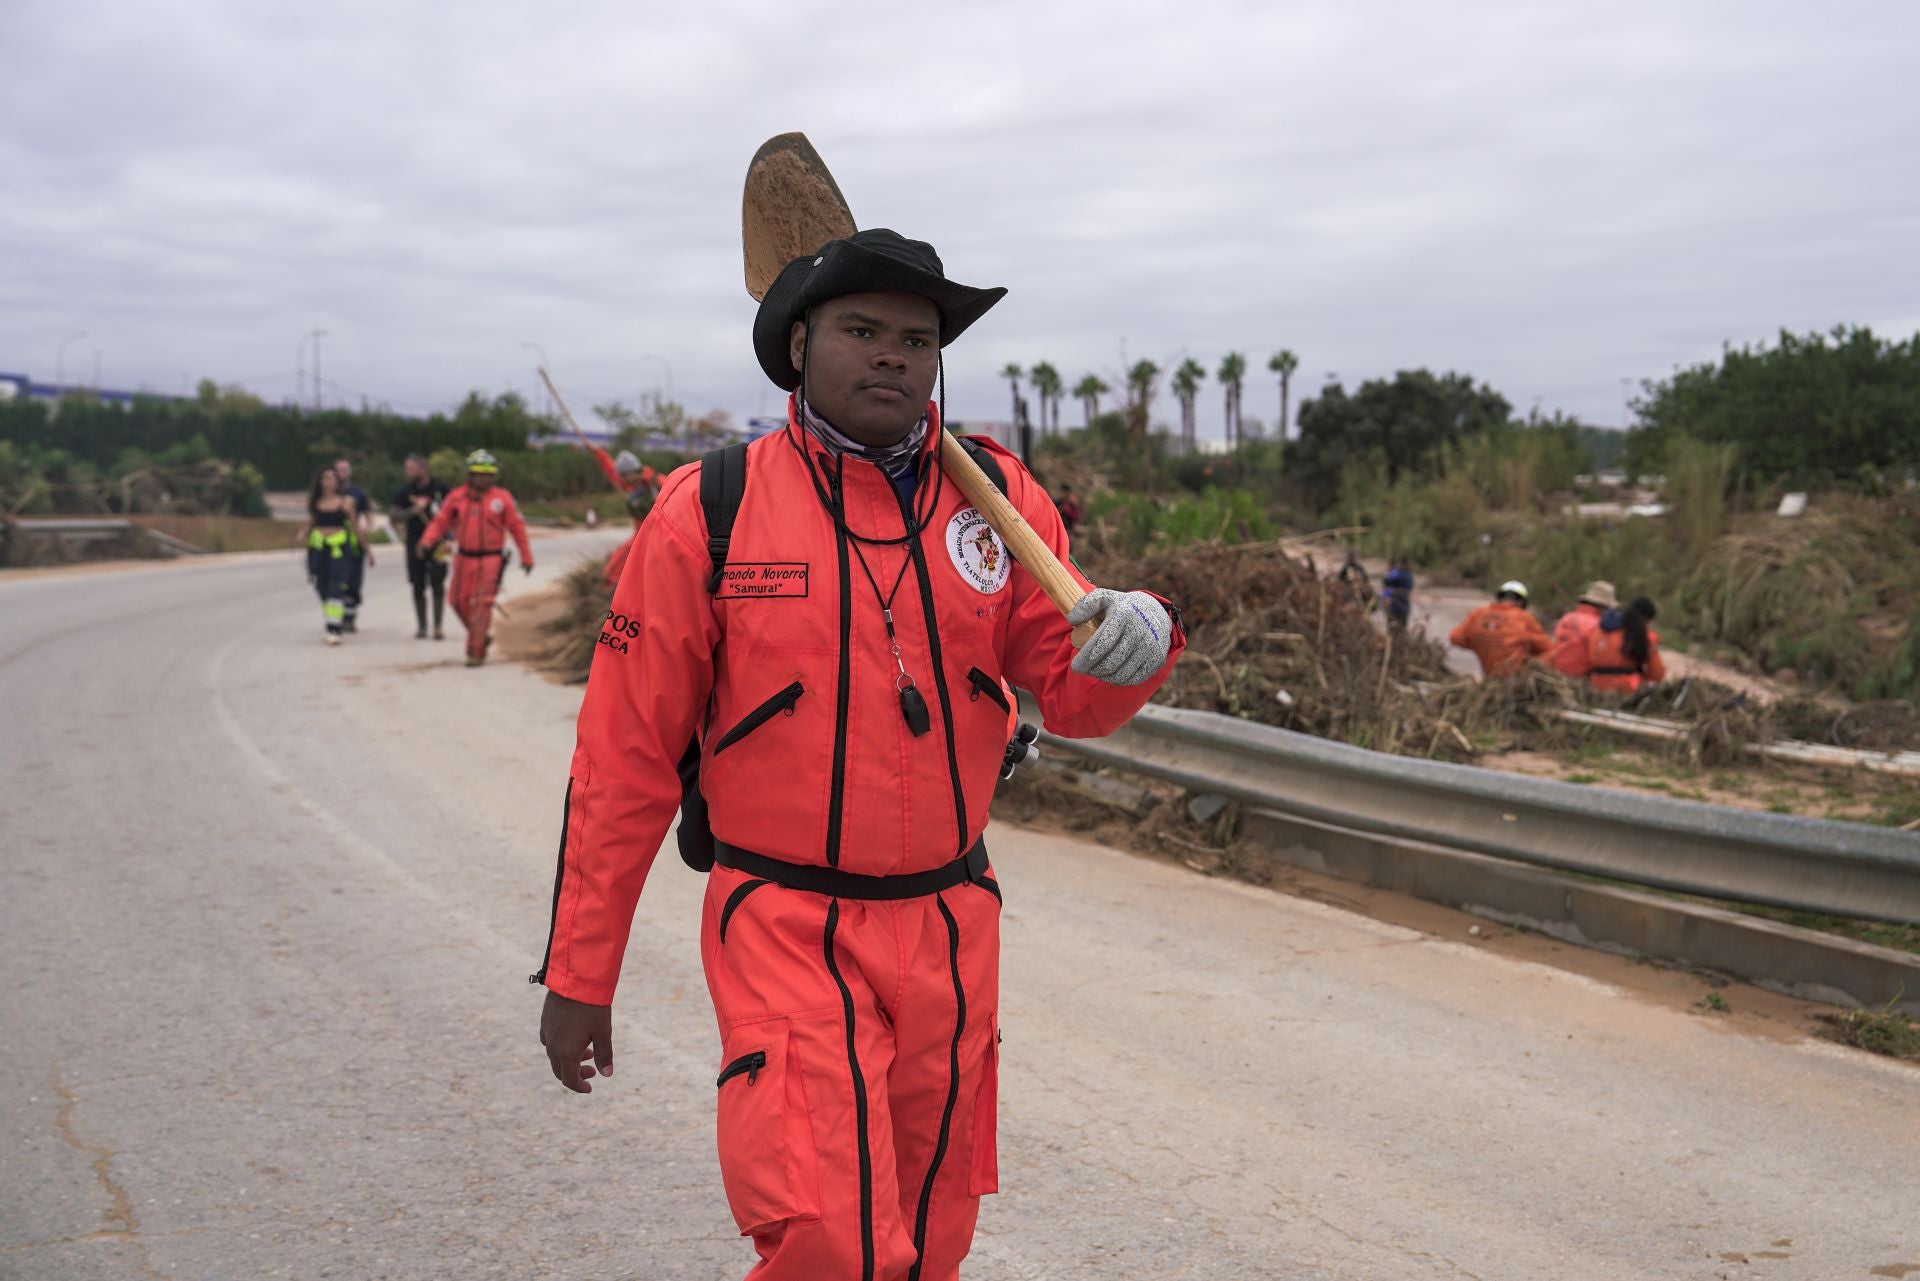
(1600, 592)
(875, 261)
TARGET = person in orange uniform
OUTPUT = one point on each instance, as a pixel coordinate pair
(1503, 635)
(480, 515)
(843, 671)
(1624, 651)
(639, 482)
(1577, 626)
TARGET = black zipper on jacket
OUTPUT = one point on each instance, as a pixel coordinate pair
(953, 1088)
(985, 684)
(559, 875)
(753, 720)
(836, 804)
(748, 1065)
(939, 669)
(859, 1102)
(734, 900)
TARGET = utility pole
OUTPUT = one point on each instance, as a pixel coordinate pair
(60, 364)
(318, 334)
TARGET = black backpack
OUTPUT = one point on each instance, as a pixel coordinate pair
(723, 483)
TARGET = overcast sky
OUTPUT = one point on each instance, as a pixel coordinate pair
(1551, 197)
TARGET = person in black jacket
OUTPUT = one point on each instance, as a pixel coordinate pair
(412, 508)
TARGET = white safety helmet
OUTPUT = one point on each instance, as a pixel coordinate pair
(626, 463)
(1515, 588)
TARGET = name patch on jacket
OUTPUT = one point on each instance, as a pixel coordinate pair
(977, 551)
(752, 580)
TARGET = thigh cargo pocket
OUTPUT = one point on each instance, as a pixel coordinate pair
(766, 1140)
(983, 1175)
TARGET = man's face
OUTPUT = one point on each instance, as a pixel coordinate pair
(870, 363)
(480, 480)
(416, 470)
(344, 469)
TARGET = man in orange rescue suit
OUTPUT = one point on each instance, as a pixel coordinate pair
(1503, 635)
(843, 674)
(480, 516)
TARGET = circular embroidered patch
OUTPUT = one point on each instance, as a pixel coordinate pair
(496, 506)
(977, 551)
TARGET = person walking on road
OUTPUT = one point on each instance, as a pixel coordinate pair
(480, 517)
(834, 651)
(414, 506)
(1576, 627)
(1503, 635)
(1396, 594)
(362, 541)
(1623, 653)
(641, 485)
(331, 540)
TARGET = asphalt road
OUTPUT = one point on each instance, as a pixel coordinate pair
(267, 909)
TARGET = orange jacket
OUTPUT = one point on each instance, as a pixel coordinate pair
(786, 668)
(1503, 635)
(1570, 637)
(480, 522)
(1610, 669)
(646, 476)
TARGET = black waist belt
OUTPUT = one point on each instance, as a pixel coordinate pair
(465, 552)
(831, 881)
(1615, 671)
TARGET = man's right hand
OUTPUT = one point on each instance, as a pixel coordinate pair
(573, 1033)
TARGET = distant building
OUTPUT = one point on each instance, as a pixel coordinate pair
(21, 387)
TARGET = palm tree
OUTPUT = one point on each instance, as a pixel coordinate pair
(1012, 374)
(1233, 372)
(1284, 363)
(1047, 385)
(1089, 390)
(1186, 385)
(1140, 393)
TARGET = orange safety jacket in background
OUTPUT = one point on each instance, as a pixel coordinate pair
(646, 477)
(480, 522)
(1503, 635)
(1610, 669)
(1570, 637)
(786, 665)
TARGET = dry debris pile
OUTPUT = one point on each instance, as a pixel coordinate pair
(575, 631)
(1271, 641)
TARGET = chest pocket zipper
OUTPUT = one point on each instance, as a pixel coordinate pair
(780, 703)
(985, 684)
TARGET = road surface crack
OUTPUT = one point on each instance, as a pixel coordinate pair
(122, 1223)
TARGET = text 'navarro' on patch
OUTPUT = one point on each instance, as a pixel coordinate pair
(763, 580)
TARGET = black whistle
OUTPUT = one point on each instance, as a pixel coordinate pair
(914, 709)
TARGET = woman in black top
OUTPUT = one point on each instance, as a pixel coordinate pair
(331, 545)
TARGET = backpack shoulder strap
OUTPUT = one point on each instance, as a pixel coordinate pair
(723, 482)
(986, 461)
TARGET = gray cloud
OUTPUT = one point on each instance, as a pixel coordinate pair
(1549, 198)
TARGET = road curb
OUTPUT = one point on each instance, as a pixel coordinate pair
(1782, 958)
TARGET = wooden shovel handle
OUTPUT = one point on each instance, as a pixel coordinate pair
(1027, 547)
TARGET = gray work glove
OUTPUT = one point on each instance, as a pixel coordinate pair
(1132, 642)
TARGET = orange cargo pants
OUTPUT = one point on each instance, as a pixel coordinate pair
(858, 1074)
(476, 582)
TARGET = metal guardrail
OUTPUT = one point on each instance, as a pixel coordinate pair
(1782, 860)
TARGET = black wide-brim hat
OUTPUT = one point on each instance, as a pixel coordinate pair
(876, 261)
